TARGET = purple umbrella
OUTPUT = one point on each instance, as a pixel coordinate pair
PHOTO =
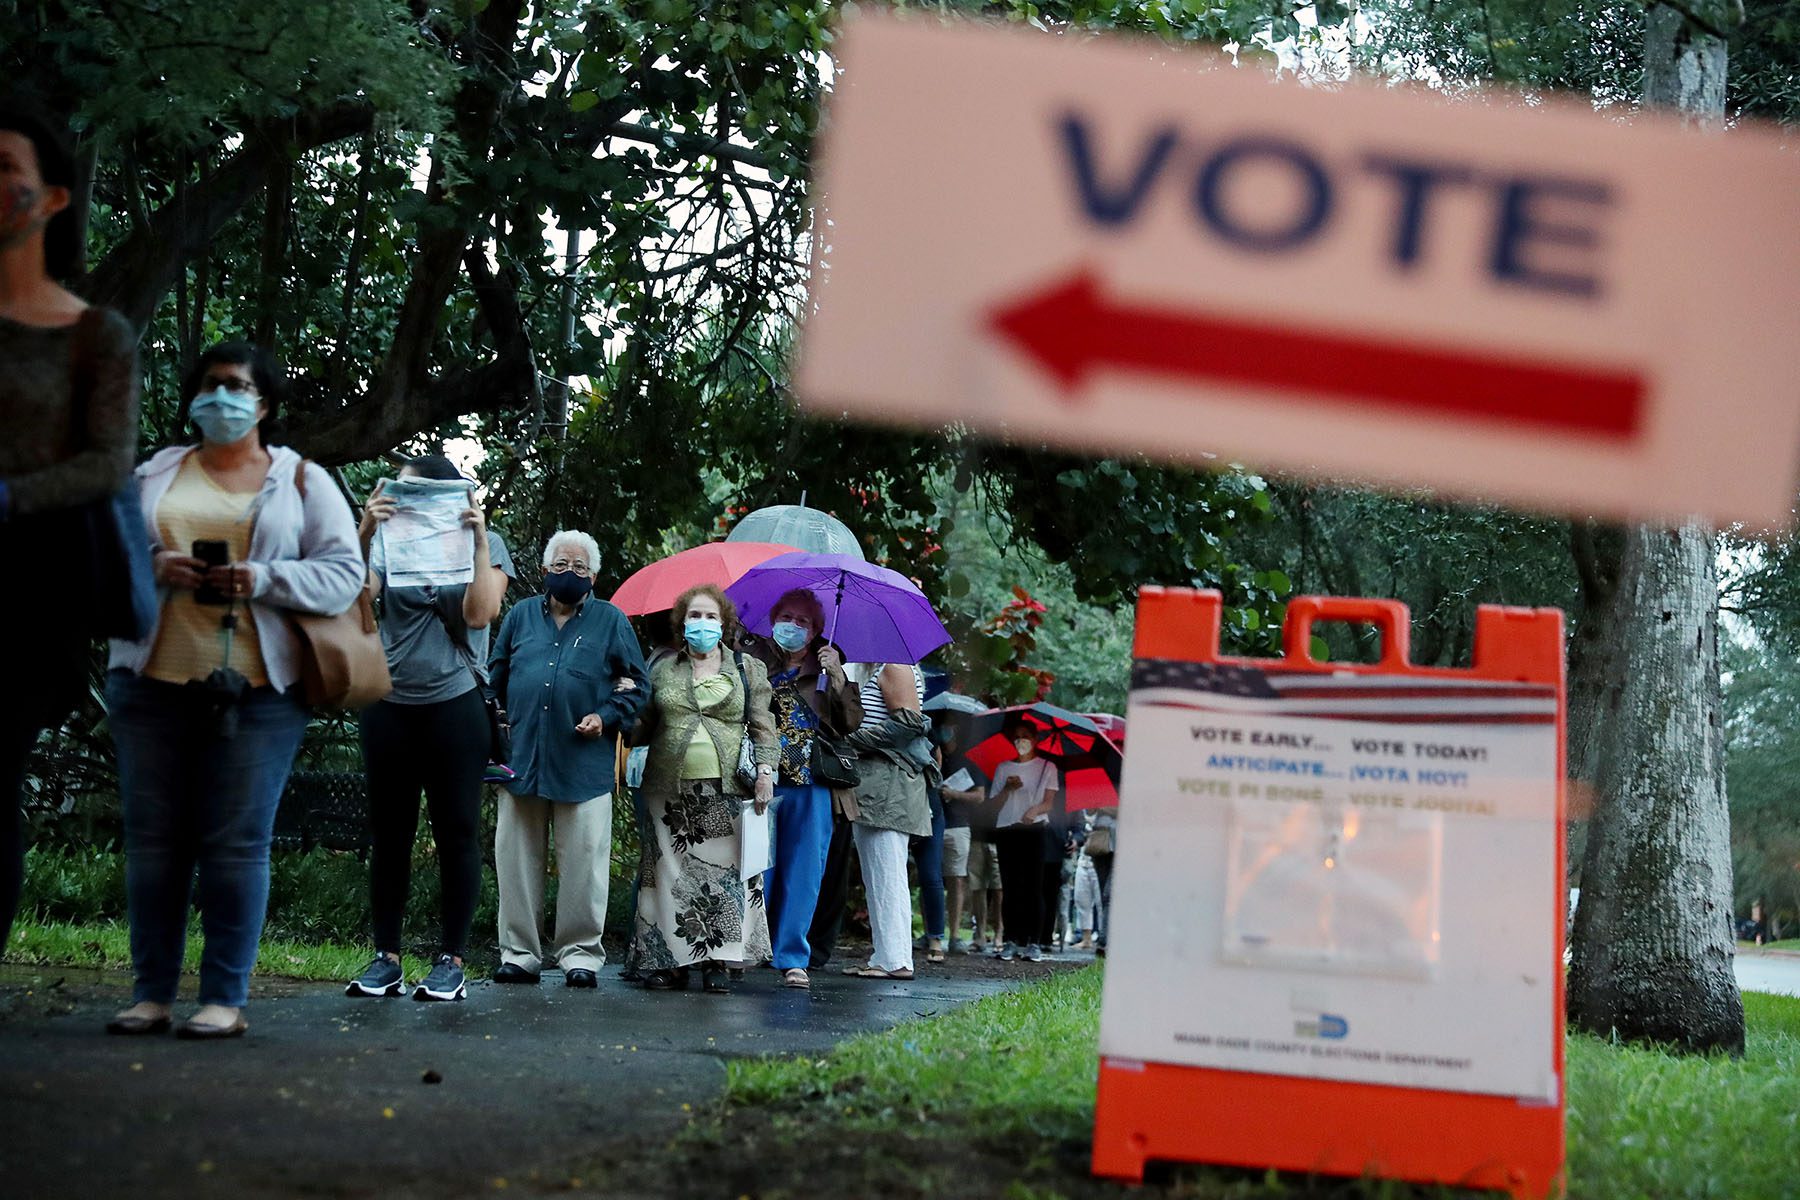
(872, 614)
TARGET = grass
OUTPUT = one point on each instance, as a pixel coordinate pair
(1020, 1063)
(1645, 1124)
(71, 912)
(107, 946)
(1018, 1071)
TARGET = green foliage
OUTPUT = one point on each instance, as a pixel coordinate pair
(1441, 560)
(1084, 647)
(1762, 765)
(180, 72)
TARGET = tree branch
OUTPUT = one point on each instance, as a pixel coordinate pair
(695, 145)
(141, 269)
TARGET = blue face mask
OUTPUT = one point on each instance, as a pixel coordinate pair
(223, 416)
(789, 636)
(702, 633)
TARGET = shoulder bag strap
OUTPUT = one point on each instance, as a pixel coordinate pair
(743, 682)
(461, 643)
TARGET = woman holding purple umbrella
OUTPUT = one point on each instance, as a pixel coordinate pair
(873, 615)
(811, 694)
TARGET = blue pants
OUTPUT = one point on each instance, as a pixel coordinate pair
(928, 857)
(197, 801)
(791, 886)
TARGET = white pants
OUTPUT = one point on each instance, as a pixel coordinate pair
(583, 870)
(883, 853)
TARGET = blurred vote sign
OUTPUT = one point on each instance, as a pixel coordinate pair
(1120, 247)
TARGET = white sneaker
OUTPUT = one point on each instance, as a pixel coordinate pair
(1032, 954)
(1007, 952)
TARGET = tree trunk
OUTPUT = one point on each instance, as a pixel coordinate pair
(1653, 941)
(1653, 944)
(278, 201)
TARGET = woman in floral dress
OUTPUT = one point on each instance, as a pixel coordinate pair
(694, 906)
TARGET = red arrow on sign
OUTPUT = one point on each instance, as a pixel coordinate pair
(1071, 330)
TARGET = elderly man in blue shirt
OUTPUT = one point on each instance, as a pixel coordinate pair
(568, 669)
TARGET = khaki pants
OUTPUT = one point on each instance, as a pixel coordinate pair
(583, 835)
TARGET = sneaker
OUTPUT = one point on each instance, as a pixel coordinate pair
(1032, 954)
(444, 983)
(1007, 952)
(382, 977)
(955, 946)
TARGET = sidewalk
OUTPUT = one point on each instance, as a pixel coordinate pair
(329, 1096)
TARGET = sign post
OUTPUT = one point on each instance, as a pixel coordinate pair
(1335, 942)
(1121, 247)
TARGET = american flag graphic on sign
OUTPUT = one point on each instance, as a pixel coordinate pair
(1340, 695)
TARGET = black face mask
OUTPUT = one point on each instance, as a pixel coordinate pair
(567, 586)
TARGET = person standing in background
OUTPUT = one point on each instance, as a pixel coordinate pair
(69, 406)
(892, 805)
(1028, 790)
(208, 710)
(429, 734)
(961, 807)
(560, 665)
(695, 906)
(810, 693)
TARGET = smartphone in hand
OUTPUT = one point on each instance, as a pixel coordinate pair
(213, 553)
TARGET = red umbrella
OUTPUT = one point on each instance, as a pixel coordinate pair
(1074, 742)
(655, 588)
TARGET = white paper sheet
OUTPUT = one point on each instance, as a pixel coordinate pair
(758, 851)
(425, 543)
(962, 781)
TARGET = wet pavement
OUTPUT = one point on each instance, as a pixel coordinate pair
(329, 1096)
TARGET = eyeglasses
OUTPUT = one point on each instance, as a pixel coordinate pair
(579, 566)
(234, 384)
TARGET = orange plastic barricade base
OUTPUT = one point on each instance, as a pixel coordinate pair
(1147, 1111)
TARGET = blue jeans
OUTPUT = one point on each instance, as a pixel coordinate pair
(928, 857)
(791, 886)
(197, 801)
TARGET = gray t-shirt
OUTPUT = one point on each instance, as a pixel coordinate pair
(426, 664)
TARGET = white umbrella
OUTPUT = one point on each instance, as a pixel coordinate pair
(798, 526)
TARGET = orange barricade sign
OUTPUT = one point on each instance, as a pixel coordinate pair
(1336, 934)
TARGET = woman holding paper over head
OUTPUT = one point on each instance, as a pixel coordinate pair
(811, 695)
(430, 734)
(710, 772)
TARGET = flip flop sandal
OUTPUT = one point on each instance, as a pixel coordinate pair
(794, 977)
(195, 1031)
(876, 973)
(934, 956)
(135, 1025)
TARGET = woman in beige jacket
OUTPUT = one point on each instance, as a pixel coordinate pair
(694, 906)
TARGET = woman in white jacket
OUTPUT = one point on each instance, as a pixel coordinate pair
(207, 712)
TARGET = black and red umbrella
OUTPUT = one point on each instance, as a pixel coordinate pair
(1089, 762)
